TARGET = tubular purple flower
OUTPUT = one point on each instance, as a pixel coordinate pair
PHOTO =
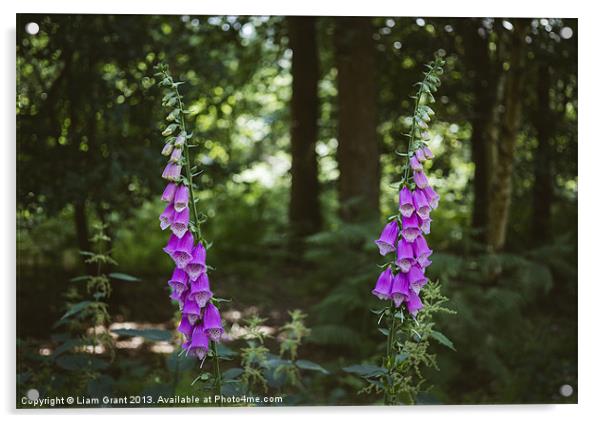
(416, 279)
(406, 203)
(410, 229)
(405, 255)
(197, 265)
(185, 328)
(180, 140)
(169, 192)
(413, 303)
(167, 217)
(167, 149)
(176, 155)
(172, 171)
(420, 179)
(428, 153)
(386, 242)
(400, 289)
(421, 204)
(182, 254)
(179, 226)
(178, 281)
(415, 163)
(212, 323)
(420, 155)
(191, 311)
(200, 290)
(199, 344)
(172, 245)
(382, 290)
(431, 196)
(425, 225)
(181, 198)
(421, 251)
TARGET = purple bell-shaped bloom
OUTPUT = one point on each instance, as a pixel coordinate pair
(405, 255)
(415, 163)
(212, 323)
(425, 225)
(180, 140)
(200, 290)
(191, 311)
(388, 237)
(185, 328)
(169, 192)
(413, 303)
(172, 171)
(176, 155)
(182, 255)
(421, 204)
(410, 229)
(382, 290)
(178, 281)
(197, 265)
(421, 251)
(420, 179)
(428, 153)
(180, 201)
(167, 217)
(179, 226)
(399, 289)
(416, 279)
(431, 196)
(199, 344)
(167, 149)
(172, 245)
(406, 203)
(419, 154)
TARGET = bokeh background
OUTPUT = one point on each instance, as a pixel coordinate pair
(297, 122)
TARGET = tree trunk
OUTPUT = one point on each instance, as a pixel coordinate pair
(358, 147)
(501, 185)
(542, 188)
(304, 208)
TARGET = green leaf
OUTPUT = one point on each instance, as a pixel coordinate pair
(124, 277)
(150, 334)
(384, 331)
(400, 358)
(81, 362)
(81, 278)
(310, 365)
(365, 370)
(76, 309)
(232, 374)
(443, 340)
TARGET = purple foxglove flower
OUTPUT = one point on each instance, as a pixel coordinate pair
(420, 155)
(185, 328)
(428, 153)
(420, 179)
(179, 225)
(415, 163)
(425, 225)
(400, 289)
(191, 311)
(172, 171)
(169, 192)
(200, 291)
(176, 155)
(167, 217)
(382, 289)
(406, 203)
(196, 265)
(178, 281)
(421, 204)
(182, 254)
(180, 199)
(410, 229)
(388, 237)
(414, 304)
(180, 140)
(199, 344)
(167, 149)
(431, 196)
(212, 323)
(416, 278)
(421, 250)
(405, 255)
(172, 245)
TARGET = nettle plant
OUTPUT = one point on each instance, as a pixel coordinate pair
(200, 323)
(407, 321)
